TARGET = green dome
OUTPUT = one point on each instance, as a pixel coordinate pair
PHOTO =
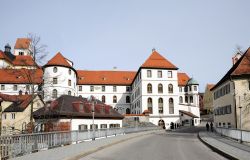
(192, 81)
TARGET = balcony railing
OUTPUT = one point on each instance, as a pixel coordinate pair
(18, 145)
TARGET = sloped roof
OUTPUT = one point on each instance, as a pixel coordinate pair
(21, 76)
(105, 77)
(192, 81)
(20, 102)
(209, 86)
(188, 114)
(182, 79)
(58, 60)
(24, 61)
(4, 56)
(239, 69)
(67, 107)
(156, 60)
(22, 43)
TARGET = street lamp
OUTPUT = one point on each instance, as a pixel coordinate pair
(240, 126)
(92, 100)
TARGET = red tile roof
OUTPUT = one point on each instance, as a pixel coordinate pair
(58, 59)
(22, 43)
(105, 77)
(239, 69)
(20, 76)
(3, 56)
(182, 79)
(209, 86)
(24, 61)
(156, 60)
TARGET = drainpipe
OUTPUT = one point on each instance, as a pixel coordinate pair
(235, 114)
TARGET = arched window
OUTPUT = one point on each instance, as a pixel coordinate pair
(170, 88)
(149, 88)
(160, 88)
(150, 105)
(186, 99)
(69, 93)
(54, 93)
(171, 106)
(160, 105)
(191, 99)
(180, 99)
(103, 99)
(127, 99)
(114, 99)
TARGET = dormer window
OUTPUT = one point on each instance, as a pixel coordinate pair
(55, 69)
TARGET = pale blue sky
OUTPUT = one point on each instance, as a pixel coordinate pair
(198, 36)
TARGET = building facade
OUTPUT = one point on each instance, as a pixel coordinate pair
(156, 87)
(232, 94)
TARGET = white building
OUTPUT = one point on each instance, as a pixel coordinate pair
(156, 87)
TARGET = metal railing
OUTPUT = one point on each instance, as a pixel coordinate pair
(18, 145)
(240, 135)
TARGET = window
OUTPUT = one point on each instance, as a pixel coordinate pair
(54, 93)
(69, 71)
(103, 99)
(15, 87)
(21, 53)
(4, 116)
(186, 99)
(185, 89)
(149, 73)
(2, 87)
(150, 105)
(13, 115)
(83, 127)
(191, 99)
(114, 88)
(80, 88)
(69, 82)
(127, 99)
(170, 74)
(27, 87)
(128, 89)
(104, 126)
(54, 80)
(181, 99)
(69, 93)
(160, 88)
(190, 88)
(149, 88)
(91, 88)
(114, 99)
(55, 69)
(180, 89)
(159, 74)
(160, 105)
(195, 88)
(170, 88)
(103, 88)
(171, 106)
(95, 125)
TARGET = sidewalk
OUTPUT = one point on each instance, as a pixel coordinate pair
(76, 151)
(225, 146)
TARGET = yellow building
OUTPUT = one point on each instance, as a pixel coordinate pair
(208, 99)
(16, 112)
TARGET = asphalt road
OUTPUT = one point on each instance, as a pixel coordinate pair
(182, 144)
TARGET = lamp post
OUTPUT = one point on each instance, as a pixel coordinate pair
(92, 100)
(1, 100)
(240, 140)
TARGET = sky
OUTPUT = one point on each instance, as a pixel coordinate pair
(198, 36)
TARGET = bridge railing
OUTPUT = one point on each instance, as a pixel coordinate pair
(240, 135)
(17, 145)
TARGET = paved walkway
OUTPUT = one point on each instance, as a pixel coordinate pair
(230, 148)
(75, 151)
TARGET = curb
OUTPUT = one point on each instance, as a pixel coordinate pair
(83, 154)
(216, 149)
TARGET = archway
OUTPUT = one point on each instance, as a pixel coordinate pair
(161, 123)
